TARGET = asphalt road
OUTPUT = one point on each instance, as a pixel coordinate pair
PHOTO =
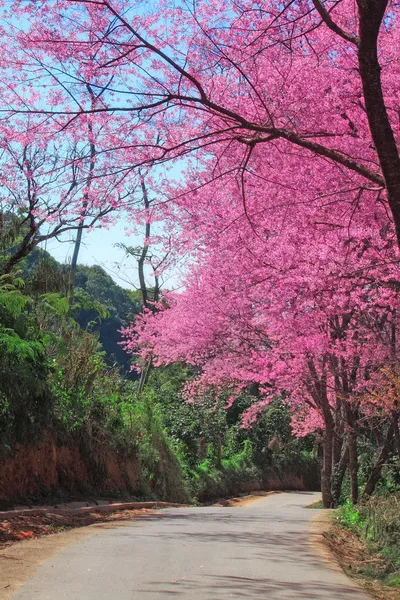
(263, 550)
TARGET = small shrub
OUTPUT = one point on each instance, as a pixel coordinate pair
(351, 517)
(394, 581)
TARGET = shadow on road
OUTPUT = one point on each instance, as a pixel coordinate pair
(279, 538)
(221, 587)
(259, 551)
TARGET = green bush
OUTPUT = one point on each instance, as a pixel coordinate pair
(351, 517)
(234, 475)
(382, 517)
(378, 522)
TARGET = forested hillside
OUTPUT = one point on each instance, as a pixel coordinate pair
(69, 397)
(100, 305)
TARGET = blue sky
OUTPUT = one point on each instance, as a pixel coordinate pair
(98, 245)
(98, 248)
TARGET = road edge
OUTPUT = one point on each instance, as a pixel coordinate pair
(98, 508)
(320, 525)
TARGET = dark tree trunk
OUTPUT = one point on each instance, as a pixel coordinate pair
(353, 466)
(337, 476)
(326, 473)
(371, 13)
(337, 443)
(380, 461)
(74, 261)
(395, 423)
(144, 375)
(85, 202)
(23, 251)
(318, 390)
(145, 249)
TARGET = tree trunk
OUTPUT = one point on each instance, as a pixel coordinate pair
(377, 468)
(371, 13)
(85, 202)
(326, 473)
(353, 466)
(395, 422)
(144, 375)
(337, 476)
(337, 447)
(299, 445)
(145, 249)
(74, 261)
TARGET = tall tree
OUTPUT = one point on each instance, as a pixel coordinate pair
(312, 320)
(309, 82)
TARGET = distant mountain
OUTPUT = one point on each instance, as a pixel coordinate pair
(101, 305)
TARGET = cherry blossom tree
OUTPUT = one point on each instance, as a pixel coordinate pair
(284, 121)
(315, 80)
(307, 309)
(45, 194)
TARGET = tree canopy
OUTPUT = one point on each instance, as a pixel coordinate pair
(282, 119)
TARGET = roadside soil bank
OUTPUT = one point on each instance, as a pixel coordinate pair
(345, 551)
(48, 466)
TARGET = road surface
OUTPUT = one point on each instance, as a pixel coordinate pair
(262, 550)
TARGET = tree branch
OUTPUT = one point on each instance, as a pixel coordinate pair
(327, 19)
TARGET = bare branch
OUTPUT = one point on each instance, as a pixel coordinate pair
(327, 19)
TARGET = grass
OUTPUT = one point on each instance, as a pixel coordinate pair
(366, 542)
(318, 504)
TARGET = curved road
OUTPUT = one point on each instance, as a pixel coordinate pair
(262, 550)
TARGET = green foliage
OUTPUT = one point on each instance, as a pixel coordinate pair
(13, 226)
(24, 398)
(43, 274)
(161, 469)
(216, 455)
(394, 581)
(104, 307)
(56, 378)
(350, 516)
(9, 231)
(382, 515)
(377, 521)
(12, 301)
(69, 379)
(99, 304)
(84, 302)
(235, 475)
(55, 303)
(189, 426)
(13, 345)
(368, 450)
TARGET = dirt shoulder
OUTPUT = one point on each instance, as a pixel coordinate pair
(244, 500)
(344, 550)
(25, 525)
